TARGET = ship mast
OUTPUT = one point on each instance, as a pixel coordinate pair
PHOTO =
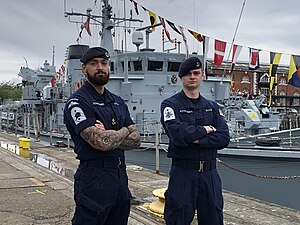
(107, 26)
(107, 22)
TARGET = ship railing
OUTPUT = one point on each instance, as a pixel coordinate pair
(238, 135)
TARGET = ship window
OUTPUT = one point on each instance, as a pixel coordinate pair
(155, 65)
(173, 66)
(137, 65)
(128, 65)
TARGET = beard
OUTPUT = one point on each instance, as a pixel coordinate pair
(98, 79)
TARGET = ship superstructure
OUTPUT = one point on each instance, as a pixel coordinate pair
(143, 78)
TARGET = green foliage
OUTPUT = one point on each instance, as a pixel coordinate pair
(9, 90)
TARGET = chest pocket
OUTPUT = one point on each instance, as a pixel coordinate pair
(109, 113)
(204, 117)
(208, 116)
(119, 114)
(187, 115)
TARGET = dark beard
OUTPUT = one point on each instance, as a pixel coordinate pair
(98, 80)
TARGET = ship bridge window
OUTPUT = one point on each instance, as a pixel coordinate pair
(112, 67)
(137, 65)
(155, 65)
(173, 66)
(128, 65)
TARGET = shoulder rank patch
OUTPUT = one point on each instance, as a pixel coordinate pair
(72, 103)
(168, 114)
(221, 113)
(77, 115)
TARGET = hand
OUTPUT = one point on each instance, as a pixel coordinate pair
(209, 129)
(131, 128)
(99, 125)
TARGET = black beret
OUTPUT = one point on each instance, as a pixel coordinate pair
(189, 64)
(93, 53)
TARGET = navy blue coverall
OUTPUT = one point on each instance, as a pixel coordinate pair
(100, 183)
(194, 181)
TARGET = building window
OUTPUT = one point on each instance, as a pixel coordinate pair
(282, 100)
(264, 78)
(296, 101)
(245, 79)
(265, 91)
(282, 81)
(245, 91)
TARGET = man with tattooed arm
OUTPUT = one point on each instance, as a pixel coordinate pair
(101, 128)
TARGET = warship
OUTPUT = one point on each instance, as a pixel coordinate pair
(143, 78)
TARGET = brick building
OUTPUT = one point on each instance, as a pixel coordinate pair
(251, 83)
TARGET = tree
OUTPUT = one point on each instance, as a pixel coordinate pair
(9, 90)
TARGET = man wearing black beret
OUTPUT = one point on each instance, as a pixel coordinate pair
(101, 129)
(196, 129)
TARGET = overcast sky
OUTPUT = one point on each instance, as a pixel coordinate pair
(30, 28)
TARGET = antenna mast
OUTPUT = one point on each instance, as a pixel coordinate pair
(53, 53)
(233, 38)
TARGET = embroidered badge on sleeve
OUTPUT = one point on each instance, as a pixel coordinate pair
(169, 114)
(77, 115)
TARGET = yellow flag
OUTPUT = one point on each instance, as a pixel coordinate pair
(153, 20)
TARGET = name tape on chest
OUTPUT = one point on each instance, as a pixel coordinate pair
(77, 115)
(169, 114)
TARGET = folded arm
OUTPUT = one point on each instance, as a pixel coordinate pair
(133, 140)
(104, 140)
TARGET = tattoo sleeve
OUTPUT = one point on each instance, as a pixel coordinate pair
(104, 140)
(133, 140)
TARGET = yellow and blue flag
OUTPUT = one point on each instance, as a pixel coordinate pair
(274, 62)
(294, 71)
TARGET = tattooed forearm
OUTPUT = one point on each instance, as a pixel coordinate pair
(133, 140)
(104, 140)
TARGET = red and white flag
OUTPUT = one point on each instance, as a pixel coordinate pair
(253, 58)
(52, 82)
(87, 26)
(63, 69)
(184, 40)
(162, 21)
(235, 54)
(220, 47)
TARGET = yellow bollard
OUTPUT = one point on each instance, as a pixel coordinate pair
(159, 205)
(24, 147)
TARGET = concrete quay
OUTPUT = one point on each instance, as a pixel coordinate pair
(34, 194)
